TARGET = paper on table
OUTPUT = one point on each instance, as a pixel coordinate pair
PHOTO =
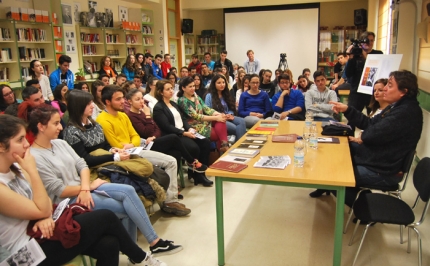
(325, 139)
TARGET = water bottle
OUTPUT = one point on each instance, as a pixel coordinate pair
(299, 152)
(313, 139)
(309, 118)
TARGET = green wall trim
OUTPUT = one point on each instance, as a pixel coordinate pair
(424, 100)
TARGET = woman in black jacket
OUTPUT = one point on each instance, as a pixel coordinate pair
(170, 120)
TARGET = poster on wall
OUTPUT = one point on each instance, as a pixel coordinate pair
(376, 67)
(67, 14)
(123, 13)
(70, 42)
(108, 18)
(92, 5)
(76, 11)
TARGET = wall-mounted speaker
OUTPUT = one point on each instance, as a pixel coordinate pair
(360, 17)
(187, 25)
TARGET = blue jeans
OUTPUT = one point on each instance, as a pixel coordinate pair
(125, 203)
(365, 177)
(236, 127)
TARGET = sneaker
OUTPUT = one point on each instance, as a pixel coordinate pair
(231, 139)
(175, 208)
(164, 247)
(151, 261)
(197, 166)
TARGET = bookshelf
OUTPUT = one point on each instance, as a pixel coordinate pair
(189, 43)
(147, 30)
(213, 44)
(332, 42)
(21, 42)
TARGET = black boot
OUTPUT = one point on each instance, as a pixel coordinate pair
(190, 174)
(318, 193)
(200, 178)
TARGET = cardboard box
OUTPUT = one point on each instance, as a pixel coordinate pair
(45, 16)
(24, 13)
(39, 17)
(31, 15)
(12, 13)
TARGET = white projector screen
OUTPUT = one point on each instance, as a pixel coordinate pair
(270, 33)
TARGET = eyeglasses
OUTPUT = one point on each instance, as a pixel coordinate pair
(8, 94)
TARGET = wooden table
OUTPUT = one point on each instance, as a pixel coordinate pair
(329, 167)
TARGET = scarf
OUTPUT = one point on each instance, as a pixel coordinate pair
(109, 70)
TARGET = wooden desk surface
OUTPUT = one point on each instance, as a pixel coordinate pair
(329, 165)
(344, 92)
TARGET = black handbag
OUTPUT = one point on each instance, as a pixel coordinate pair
(333, 130)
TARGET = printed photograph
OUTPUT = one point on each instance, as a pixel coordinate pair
(67, 14)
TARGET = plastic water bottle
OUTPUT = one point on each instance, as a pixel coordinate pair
(299, 152)
(309, 118)
(313, 140)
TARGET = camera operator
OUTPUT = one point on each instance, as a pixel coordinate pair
(354, 68)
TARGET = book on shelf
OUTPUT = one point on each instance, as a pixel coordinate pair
(286, 138)
(12, 13)
(234, 159)
(4, 74)
(31, 35)
(131, 50)
(131, 38)
(117, 65)
(273, 162)
(46, 70)
(39, 17)
(25, 72)
(112, 38)
(5, 34)
(89, 49)
(90, 37)
(58, 32)
(250, 146)
(28, 54)
(58, 47)
(24, 13)
(6, 55)
(45, 16)
(244, 152)
(112, 52)
(228, 166)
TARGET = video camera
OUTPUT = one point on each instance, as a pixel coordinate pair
(356, 49)
(283, 56)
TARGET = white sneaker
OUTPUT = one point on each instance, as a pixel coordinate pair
(152, 261)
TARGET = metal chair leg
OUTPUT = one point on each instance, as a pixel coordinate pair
(361, 242)
(409, 240)
(420, 256)
(181, 174)
(401, 234)
(353, 233)
(348, 221)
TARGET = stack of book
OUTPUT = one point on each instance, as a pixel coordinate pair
(5, 34)
(6, 55)
(28, 54)
(131, 38)
(112, 38)
(4, 74)
(92, 37)
(89, 49)
(31, 35)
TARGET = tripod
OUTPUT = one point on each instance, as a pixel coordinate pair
(283, 64)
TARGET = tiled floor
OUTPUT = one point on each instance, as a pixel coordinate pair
(268, 225)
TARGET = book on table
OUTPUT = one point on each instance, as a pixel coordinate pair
(286, 138)
(254, 141)
(263, 128)
(269, 124)
(273, 162)
(244, 152)
(256, 136)
(328, 140)
(259, 132)
(234, 159)
(228, 166)
(250, 146)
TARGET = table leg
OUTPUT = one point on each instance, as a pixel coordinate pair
(219, 219)
(340, 207)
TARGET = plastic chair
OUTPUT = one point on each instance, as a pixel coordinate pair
(381, 208)
(395, 190)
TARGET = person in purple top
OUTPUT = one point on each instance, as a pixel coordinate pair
(254, 104)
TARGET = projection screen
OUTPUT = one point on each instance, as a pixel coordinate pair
(269, 33)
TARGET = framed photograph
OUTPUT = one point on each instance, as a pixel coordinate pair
(67, 14)
(92, 6)
(123, 13)
(76, 11)
(70, 42)
(108, 18)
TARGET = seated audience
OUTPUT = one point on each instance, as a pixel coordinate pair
(184, 72)
(254, 104)
(8, 97)
(156, 67)
(245, 87)
(195, 63)
(238, 84)
(219, 99)
(208, 61)
(147, 68)
(106, 68)
(68, 176)
(137, 80)
(150, 92)
(318, 99)
(83, 86)
(387, 138)
(59, 101)
(96, 91)
(200, 88)
(165, 65)
(205, 120)
(170, 144)
(63, 74)
(22, 187)
(306, 72)
(252, 65)
(228, 77)
(129, 67)
(120, 79)
(266, 83)
(303, 84)
(170, 119)
(206, 75)
(275, 80)
(104, 78)
(192, 71)
(37, 72)
(288, 103)
(119, 132)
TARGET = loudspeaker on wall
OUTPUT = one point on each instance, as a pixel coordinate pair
(360, 17)
(187, 25)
